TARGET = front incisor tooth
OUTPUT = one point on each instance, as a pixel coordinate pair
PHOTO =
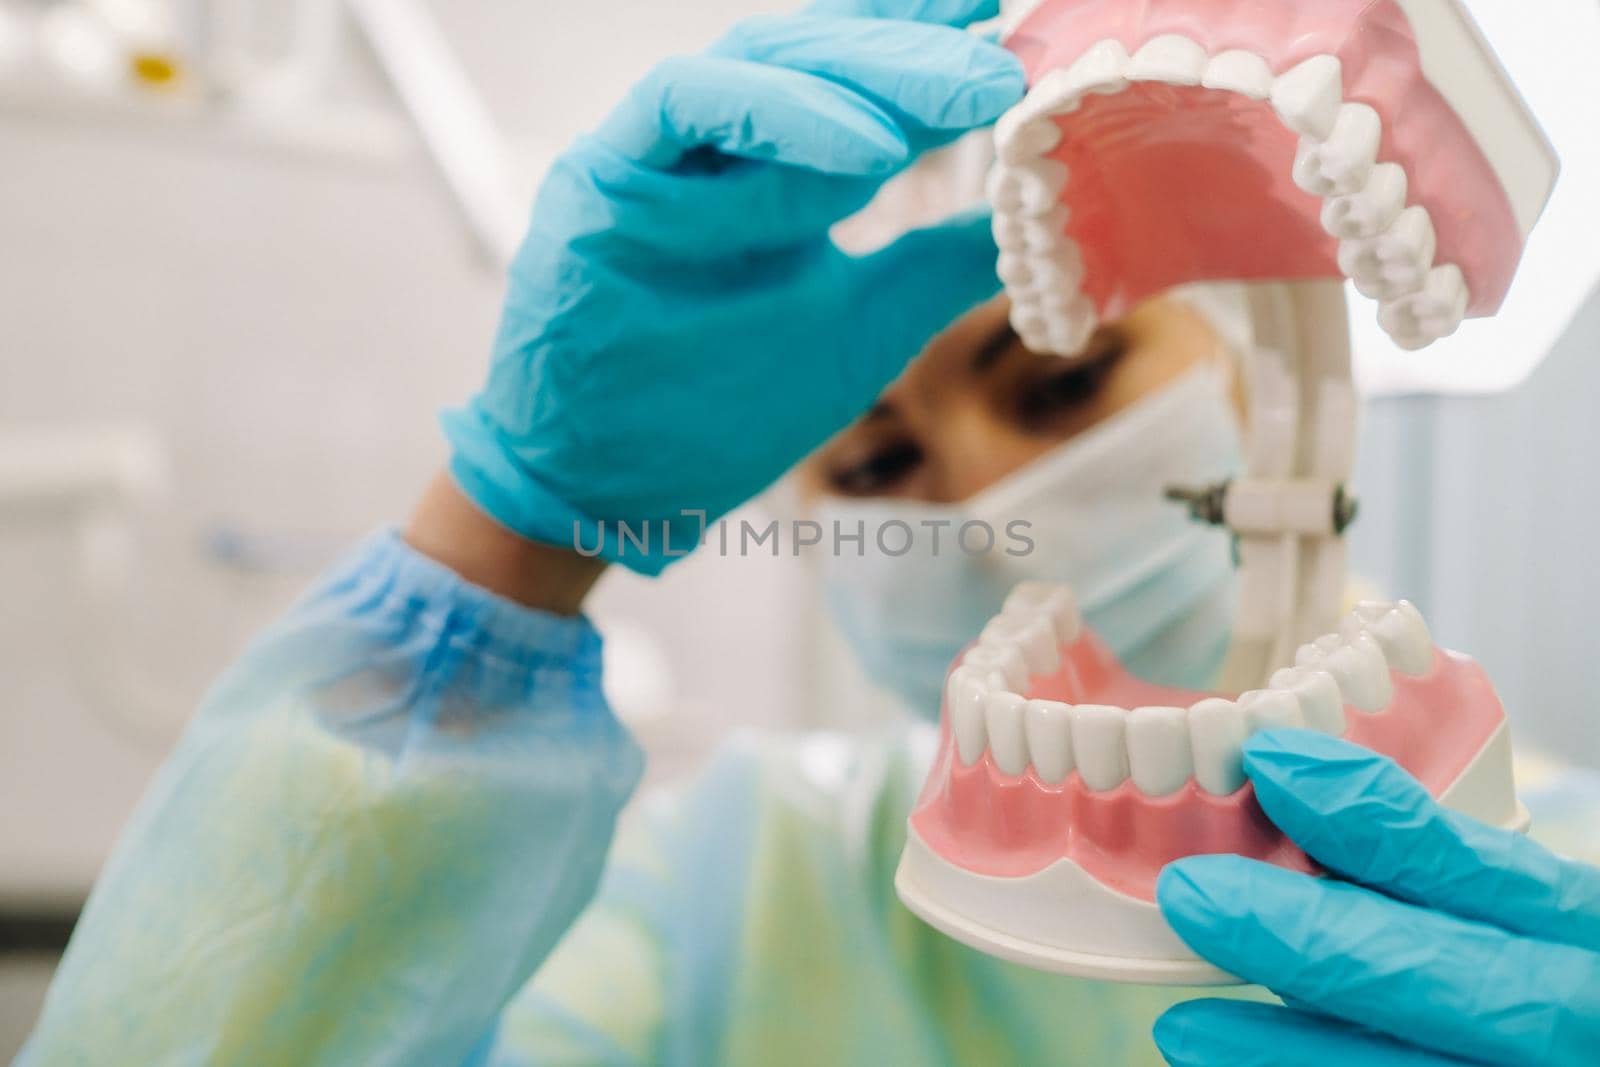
(1002, 717)
(1100, 745)
(1171, 58)
(1271, 709)
(1418, 320)
(1216, 735)
(1159, 757)
(1318, 694)
(1054, 600)
(1362, 673)
(1102, 68)
(966, 693)
(1239, 72)
(1048, 725)
(1032, 635)
(1372, 210)
(1002, 660)
(1307, 98)
(1341, 164)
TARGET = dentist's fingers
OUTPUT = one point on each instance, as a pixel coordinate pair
(925, 75)
(944, 12)
(1414, 974)
(1234, 1033)
(1359, 814)
(753, 111)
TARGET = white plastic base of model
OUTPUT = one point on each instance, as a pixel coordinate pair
(1064, 921)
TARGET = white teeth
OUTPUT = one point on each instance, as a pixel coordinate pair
(1028, 234)
(1032, 635)
(1003, 660)
(1341, 164)
(1023, 133)
(1170, 58)
(1216, 734)
(1394, 263)
(1031, 188)
(1060, 269)
(1058, 93)
(1002, 717)
(1101, 69)
(966, 693)
(1362, 673)
(1400, 631)
(1054, 601)
(1048, 725)
(1099, 744)
(1318, 694)
(1311, 654)
(1271, 709)
(1159, 759)
(1370, 211)
(1418, 320)
(1244, 73)
(1307, 98)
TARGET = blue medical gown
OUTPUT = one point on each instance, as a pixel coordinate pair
(390, 812)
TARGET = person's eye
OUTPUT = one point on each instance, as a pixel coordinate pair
(1064, 389)
(879, 471)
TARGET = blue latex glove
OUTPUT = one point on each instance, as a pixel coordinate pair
(679, 329)
(1447, 942)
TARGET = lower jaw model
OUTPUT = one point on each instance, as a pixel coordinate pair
(1064, 784)
(1290, 144)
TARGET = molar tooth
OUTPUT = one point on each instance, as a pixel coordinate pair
(1002, 718)
(1099, 744)
(1071, 323)
(1216, 734)
(1002, 660)
(1419, 319)
(1307, 98)
(1031, 188)
(1239, 72)
(1023, 134)
(1394, 263)
(1048, 725)
(1054, 600)
(1171, 58)
(1101, 69)
(966, 693)
(1272, 709)
(1314, 652)
(1159, 758)
(1362, 673)
(1029, 235)
(1341, 164)
(1032, 635)
(1318, 693)
(1372, 210)
(1400, 631)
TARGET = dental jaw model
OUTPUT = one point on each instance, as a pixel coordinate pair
(1169, 142)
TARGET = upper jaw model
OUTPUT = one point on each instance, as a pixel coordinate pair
(1292, 144)
(1170, 141)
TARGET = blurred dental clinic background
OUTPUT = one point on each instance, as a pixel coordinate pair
(247, 250)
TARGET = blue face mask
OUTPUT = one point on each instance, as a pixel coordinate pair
(1155, 585)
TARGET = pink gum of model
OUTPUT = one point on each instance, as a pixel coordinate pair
(992, 824)
(1171, 185)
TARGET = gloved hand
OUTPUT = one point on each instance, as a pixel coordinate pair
(679, 329)
(1445, 942)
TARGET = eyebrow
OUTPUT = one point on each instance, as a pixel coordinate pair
(993, 347)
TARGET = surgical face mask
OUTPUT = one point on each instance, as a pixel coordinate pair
(1155, 585)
